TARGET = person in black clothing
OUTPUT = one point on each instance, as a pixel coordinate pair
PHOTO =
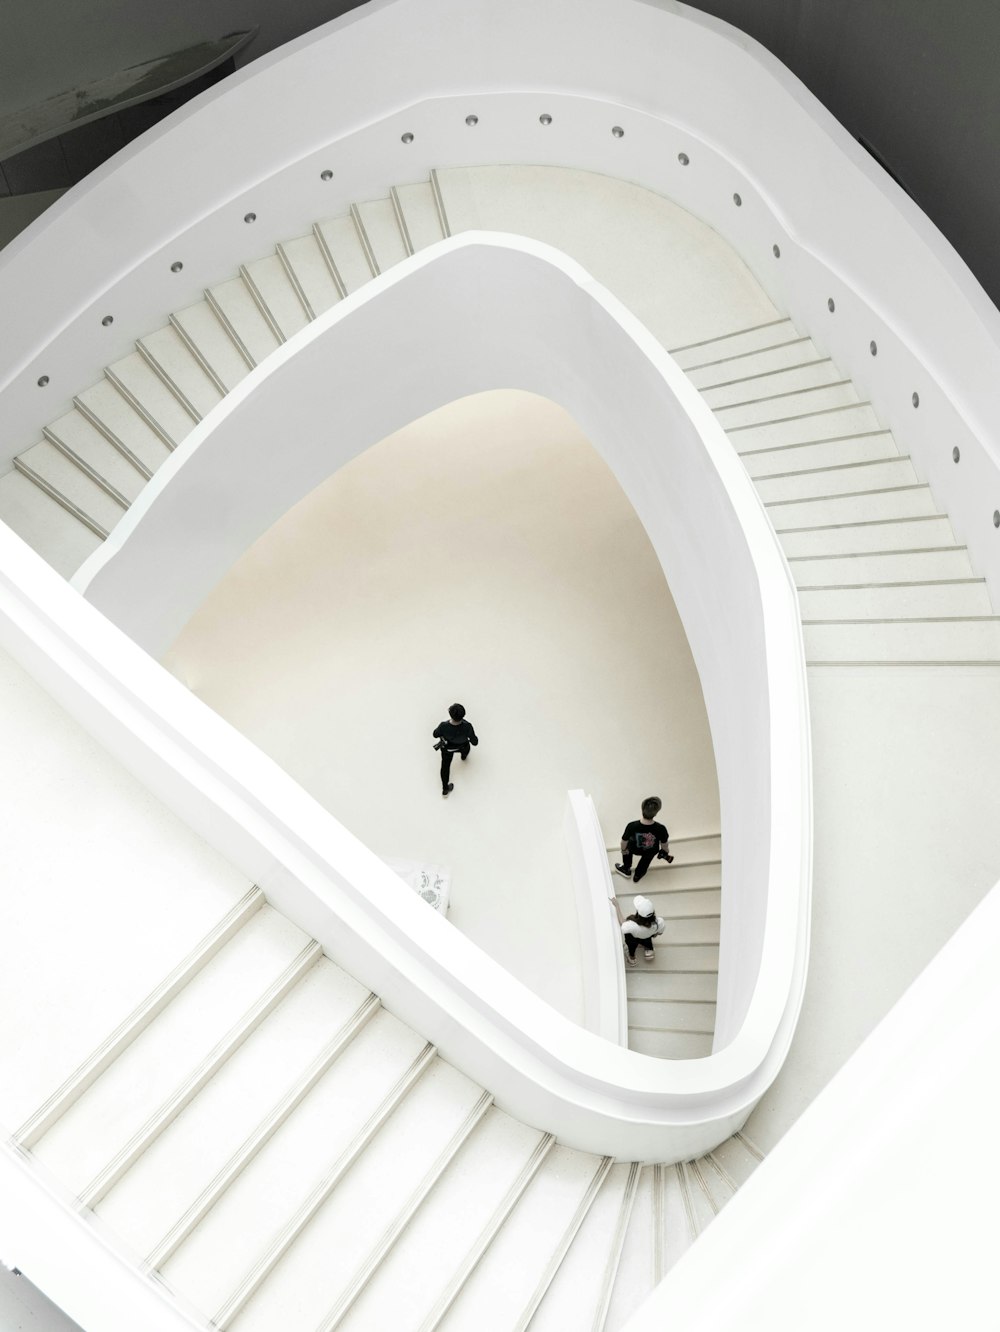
(645, 838)
(453, 737)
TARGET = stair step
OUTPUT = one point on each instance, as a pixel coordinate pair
(61, 539)
(48, 463)
(176, 1169)
(210, 339)
(94, 1129)
(681, 957)
(841, 480)
(275, 294)
(114, 416)
(178, 366)
(669, 1044)
(795, 351)
(425, 1258)
(699, 1203)
(712, 1183)
(418, 209)
(904, 566)
(242, 319)
(140, 385)
(804, 426)
(581, 1289)
(914, 501)
(634, 1278)
(929, 532)
(78, 436)
(515, 1271)
(669, 1015)
(675, 905)
(695, 987)
(758, 338)
(738, 1157)
(378, 227)
(848, 449)
(344, 252)
(377, 1066)
(903, 600)
(662, 878)
(305, 258)
(303, 1287)
(700, 929)
(904, 641)
(743, 385)
(779, 407)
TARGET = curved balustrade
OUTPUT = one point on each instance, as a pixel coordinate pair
(386, 92)
(543, 325)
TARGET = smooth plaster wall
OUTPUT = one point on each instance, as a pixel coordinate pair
(484, 553)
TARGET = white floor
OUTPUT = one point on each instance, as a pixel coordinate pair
(483, 555)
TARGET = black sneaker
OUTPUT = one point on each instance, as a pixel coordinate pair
(626, 874)
(448, 789)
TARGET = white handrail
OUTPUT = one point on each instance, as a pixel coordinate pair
(604, 1000)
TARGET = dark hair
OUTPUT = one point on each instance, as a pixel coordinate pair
(456, 712)
(651, 806)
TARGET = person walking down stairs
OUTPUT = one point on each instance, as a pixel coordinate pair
(645, 838)
(641, 927)
(453, 737)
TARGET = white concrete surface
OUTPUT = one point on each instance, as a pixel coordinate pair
(484, 554)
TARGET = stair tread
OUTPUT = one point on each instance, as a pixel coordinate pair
(201, 325)
(239, 308)
(118, 416)
(346, 252)
(381, 227)
(87, 442)
(278, 294)
(179, 364)
(61, 540)
(147, 389)
(52, 465)
(312, 271)
(420, 214)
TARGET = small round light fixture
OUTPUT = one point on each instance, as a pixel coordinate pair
(107, 321)
(471, 120)
(545, 118)
(683, 159)
(776, 251)
(831, 304)
(43, 380)
(956, 454)
(873, 347)
(176, 266)
(737, 201)
(249, 217)
(996, 517)
(916, 399)
(617, 131)
(326, 175)
(406, 138)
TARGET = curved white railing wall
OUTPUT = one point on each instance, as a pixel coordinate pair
(605, 1004)
(675, 81)
(542, 325)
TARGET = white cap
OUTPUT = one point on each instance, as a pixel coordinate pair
(643, 906)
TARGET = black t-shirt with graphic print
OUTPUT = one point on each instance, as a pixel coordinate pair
(643, 837)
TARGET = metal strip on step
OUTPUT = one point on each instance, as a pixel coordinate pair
(29, 473)
(738, 333)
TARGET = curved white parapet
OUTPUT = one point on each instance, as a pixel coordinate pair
(473, 313)
(605, 1004)
(382, 95)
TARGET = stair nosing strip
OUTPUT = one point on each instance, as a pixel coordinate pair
(696, 1167)
(489, 1232)
(868, 522)
(913, 619)
(855, 494)
(261, 1135)
(182, 1095)
(229, 328)
(659, 1236)
(141, 411)
(257, 296)
(738, 356)
(868, 554)
(328, 258)
(364, 240)
(829, 439)
(800, 416)
(663, 999)
(722, 1172)
(749, 1144)
(837, 467)
(189, 342)
(766, 374)
(293, 279)
(915, 582)
(789, 393)
(59, 498)
(394, 1230)
(404, 230)
(616, 1247)
(91, 417)
(141, 1016)
(85, 467)
(737, 333)
(173, 388)
(896, 661)
(670, 1031)
(303, 1214)
(686, 1198)
(438, 194)
(566, 1239)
